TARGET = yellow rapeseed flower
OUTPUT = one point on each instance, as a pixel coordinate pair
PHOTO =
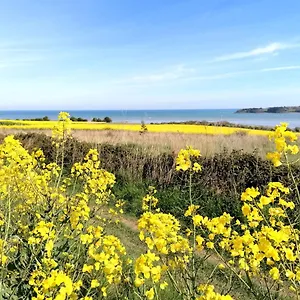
(150, 294)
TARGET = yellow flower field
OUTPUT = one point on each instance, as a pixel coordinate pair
(54, 242)
(180, 128)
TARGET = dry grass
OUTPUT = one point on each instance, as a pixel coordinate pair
(208, 144)
(163, 141)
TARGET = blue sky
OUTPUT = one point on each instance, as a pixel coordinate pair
(158, 54)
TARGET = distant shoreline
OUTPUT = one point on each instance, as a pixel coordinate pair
(271, 110)
(165, 116)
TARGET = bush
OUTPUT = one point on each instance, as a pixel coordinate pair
(46, 118)
(74, 119)
(105, 120)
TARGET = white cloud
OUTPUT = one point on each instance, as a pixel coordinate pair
(233, 74)
(215, 76)
(177, 72)
(181, 73)
(272, 48)
(284, 68)
(12, 63)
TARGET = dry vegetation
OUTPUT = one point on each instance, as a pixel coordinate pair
(159, 142)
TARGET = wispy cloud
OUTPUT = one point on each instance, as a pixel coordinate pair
(12, 63)
(239, 73)
(272, 48)
(177, 72)
(185, 74)
(214, 76)
(15, 55)
(284, 68)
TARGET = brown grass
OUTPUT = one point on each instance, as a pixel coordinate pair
(158, 142)
(208, 144)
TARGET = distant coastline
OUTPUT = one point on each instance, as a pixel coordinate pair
(273, 110)
(163, 116)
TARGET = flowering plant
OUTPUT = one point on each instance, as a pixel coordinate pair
(54, 244)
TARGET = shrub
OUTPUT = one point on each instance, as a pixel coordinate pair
(105, 120)
(46, 118)
(74, 119)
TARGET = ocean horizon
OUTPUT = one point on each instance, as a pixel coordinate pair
(158, 116)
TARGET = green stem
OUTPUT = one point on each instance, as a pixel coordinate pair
(3, 245)
(292, 176)
(174, 282)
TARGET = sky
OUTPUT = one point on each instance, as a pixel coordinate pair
(142, 54)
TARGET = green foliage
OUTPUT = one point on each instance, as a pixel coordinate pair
(46, 118)
(105, 120)
(74, 119)
(276, 110)
(132, 193)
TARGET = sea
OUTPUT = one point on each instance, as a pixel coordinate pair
(158, 116)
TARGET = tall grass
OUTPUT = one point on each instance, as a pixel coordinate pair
(158, 142)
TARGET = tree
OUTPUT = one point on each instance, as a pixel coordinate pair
(107, 120)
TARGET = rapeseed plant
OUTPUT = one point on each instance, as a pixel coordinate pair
(52, 238)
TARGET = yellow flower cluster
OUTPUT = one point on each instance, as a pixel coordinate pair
(42, 232)
(4, 251)
(145, 268)
(161, 233)
(170, 253)
(265, 244)
(266, 239)
(184, 160)
(52, 226)
(56, 283)
(106, 255)
(210, 294)
(62, 129)
(95, 184)
(150, 201)
(281, 136)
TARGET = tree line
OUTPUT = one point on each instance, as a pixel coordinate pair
(74, 119)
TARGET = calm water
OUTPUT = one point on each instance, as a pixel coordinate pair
(136, 116)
